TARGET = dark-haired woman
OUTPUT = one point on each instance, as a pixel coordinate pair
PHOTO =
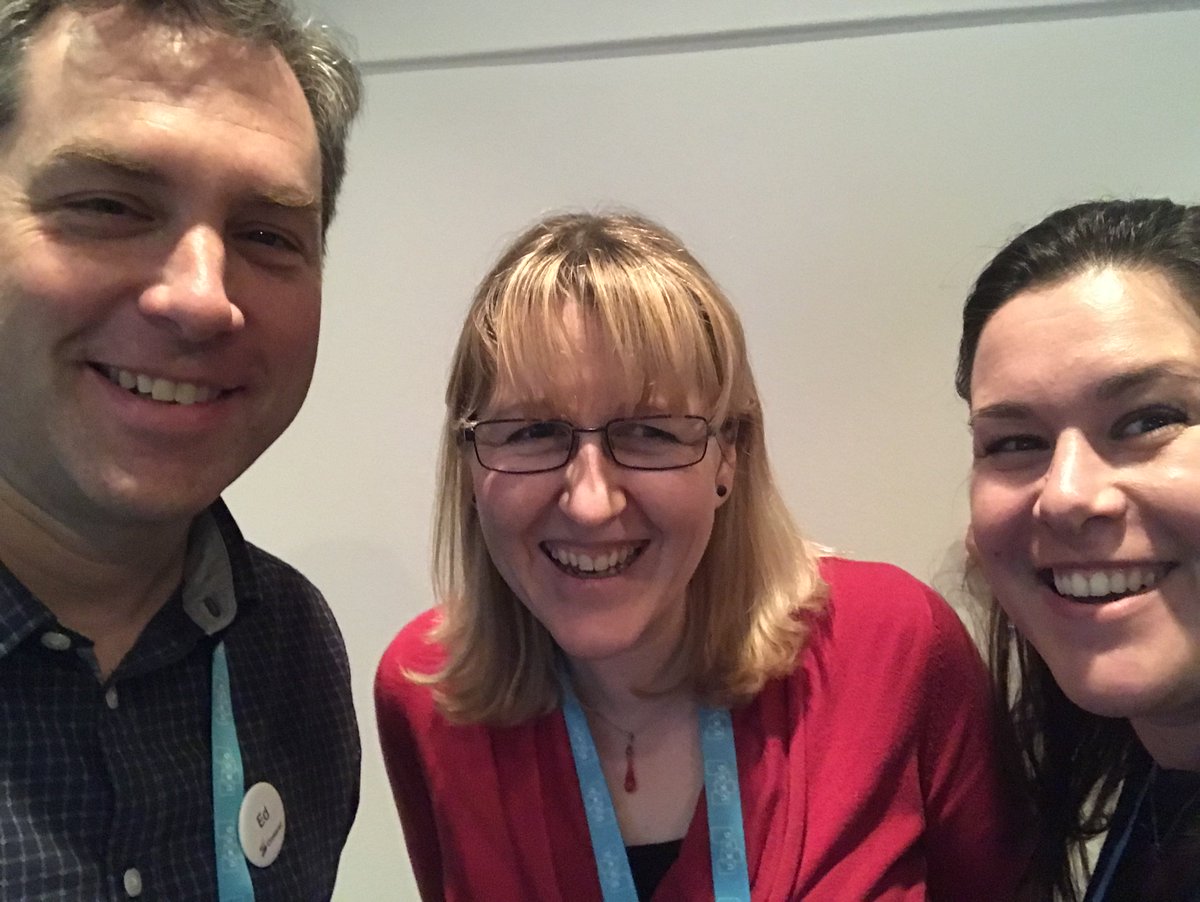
(1080, 359)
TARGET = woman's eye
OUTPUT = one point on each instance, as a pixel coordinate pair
(1013, 444)
(533, 432)
(1144, 422)
(645, 432)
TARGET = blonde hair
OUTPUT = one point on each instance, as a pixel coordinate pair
(655, 305)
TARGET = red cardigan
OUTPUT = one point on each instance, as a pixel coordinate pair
(868, 773)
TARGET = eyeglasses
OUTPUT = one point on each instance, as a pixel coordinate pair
(639, 443)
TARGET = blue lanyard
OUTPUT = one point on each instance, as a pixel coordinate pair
(1104, 881)
(726, 836)
(228, 786)
(1098, 890)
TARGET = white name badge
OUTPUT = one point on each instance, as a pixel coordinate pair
(262, 824)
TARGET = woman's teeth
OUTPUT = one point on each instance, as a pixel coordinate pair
(1109, 582)
(603, 564)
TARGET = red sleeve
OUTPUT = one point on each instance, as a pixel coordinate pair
(970, 811)
(399, 703)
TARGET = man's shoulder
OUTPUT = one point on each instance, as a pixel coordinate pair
(276, 577)
(262, 579)
(287, 606)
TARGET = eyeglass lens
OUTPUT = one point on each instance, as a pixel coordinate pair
(650, 443)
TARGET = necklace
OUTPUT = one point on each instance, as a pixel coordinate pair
(630, 773)
(726, 836)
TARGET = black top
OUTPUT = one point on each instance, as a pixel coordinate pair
(649, 863)
(1163, 826)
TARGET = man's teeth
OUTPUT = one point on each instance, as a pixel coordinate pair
(1101, 583)
(587, 563)
(161, 389)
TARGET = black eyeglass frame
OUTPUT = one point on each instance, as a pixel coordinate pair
(467, 434)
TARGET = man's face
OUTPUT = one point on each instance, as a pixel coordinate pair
(160, 251)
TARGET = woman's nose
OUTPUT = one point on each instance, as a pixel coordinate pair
(592, 490)
(1079, 486)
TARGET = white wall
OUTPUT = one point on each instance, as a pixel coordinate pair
(844, 182)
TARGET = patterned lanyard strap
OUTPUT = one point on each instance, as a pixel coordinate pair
(726, 836)
(228, 786)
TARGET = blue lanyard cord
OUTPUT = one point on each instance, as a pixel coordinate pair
(1114, 861)
(612, 863)
(726, 836)
(228, 785)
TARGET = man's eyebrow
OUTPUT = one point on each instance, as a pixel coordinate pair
(83, 155)
(291, 199)
(91, 156)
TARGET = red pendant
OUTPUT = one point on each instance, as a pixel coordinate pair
(630, 776)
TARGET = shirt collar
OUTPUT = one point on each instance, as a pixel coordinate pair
(215, 575)
(21, 615)
(208, 595)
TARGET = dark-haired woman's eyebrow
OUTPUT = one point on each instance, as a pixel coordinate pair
(1134, 380)
(1001, 410)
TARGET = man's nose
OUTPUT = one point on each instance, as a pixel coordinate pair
(190, 292)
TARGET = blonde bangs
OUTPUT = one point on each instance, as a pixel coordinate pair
(673, 347)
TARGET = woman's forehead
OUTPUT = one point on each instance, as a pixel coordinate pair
(574, 361)
(573, 393)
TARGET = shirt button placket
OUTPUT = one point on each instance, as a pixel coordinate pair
(131, 879)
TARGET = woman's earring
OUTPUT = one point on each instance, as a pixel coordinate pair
(722, 491)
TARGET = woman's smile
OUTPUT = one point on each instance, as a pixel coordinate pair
(1085, 491)
(1103, 584)
(593, 562)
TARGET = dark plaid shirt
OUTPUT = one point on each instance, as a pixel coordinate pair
(105, 787)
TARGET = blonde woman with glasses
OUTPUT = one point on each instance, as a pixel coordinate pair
(640, 680)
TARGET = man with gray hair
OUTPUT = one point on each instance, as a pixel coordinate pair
(175, 711)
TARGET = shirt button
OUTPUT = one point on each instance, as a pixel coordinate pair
(133, 883)
(110, 698)
(56, 641)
